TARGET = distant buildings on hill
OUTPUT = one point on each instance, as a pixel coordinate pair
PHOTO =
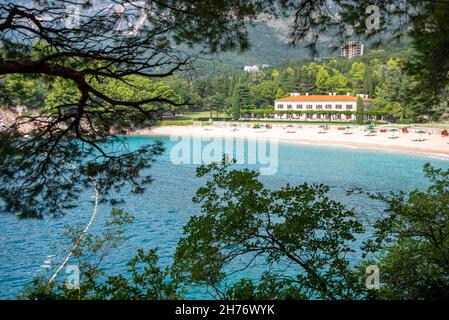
(352, 49)
(255, 68)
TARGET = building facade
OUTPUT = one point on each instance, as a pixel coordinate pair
(331, 107)
(351, 49)
(255, 68)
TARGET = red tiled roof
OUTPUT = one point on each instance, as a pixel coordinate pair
(320, 98)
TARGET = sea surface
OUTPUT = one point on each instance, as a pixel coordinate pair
(27, 246)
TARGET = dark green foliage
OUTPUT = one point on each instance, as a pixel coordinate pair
(241, 99)
(413, 241)
(144, 279)
(296, 228)
(270, 287)
(218, 104)
(30, 194)
(360, 116)
(296, 225)
(43, 169)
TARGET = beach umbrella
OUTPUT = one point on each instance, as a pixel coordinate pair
(420, 133)
(289, 127)
(371, 128)
(393, 130)
(322, 128)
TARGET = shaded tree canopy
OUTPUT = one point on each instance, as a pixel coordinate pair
(295, 242)
(297, 228)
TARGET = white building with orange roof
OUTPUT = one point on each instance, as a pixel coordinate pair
(331, 107)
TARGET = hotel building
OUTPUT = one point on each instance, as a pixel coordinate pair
(331, 107)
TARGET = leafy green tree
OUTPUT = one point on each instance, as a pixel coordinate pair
(21, 90)
(241, 99)
(412, 240)
(236, 105)
(275, 74)
(218, 104)
(322, 81)
(286, 79)
(305, 79)
(297, 226)
(389, 92)
(78, 135)
(281, 94)
(395, 109)
(360, 116)
(222, 84)
(264, 93)
(357, 75)
(337, 82)
(144, 279)
(368, 83)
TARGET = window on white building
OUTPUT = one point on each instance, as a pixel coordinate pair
(328, 106)
(299, 106)
(289, 106)
(349, 107)
(309, 106)
(280, 106)
(338, 106)
(319, 106)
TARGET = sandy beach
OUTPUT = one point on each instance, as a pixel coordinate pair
(432, 142)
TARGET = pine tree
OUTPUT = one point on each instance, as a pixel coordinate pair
(360, 111)
(241, 99)
(217, 104)
(222, 84)
(245, 97)
(367, 81)
(236, 105)
(232, 85)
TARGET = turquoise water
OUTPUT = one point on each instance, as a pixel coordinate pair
(166, 205)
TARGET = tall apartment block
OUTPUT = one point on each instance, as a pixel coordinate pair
(351, 49)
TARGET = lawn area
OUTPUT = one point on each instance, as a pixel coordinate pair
(199, 115)
(187, 118)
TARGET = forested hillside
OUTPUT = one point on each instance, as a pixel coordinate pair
(379, 74)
